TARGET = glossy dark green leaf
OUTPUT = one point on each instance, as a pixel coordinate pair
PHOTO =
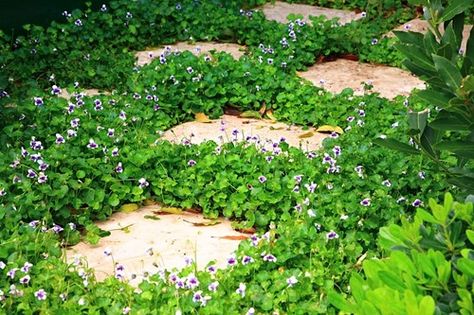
(428, 138)
(463, 182)
(430, 43)
(396, 145)
(412, 38)
(454, 8)
(451, 40)
(417, 56)
(434, 98)
(450, 121)
(448, 72)
(468, 62)
(462, 148)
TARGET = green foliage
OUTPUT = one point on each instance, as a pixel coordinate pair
(449, 73)
(429, 269)
(317, 220)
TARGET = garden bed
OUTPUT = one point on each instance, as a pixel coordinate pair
(339, 192)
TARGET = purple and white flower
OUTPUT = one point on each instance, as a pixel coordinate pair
(55, 90)
(211, 269)
(331, 235)
(291, 281)
(123, 115)
(30, 173)
(213, 286)
(115, 152)
(92, 144)
(417, 203)
(40, 295)
(191, 281)
(59, 139)
(365, 202)
(36, 145)
(71, 133)
(231, 261)
(75, 122)
(311, 187)
(262, 179)
(57, 229)
(197, 297)
(98, 105)
(191, 163)
(25, 279)
(108, 251)
(270, 258)
(38, 101)
(142, 183)
(241, 289)
(119, 168)
(247, 260)
(42, 178)
(11, 273)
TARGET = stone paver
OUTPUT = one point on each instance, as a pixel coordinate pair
(197, 48)
(172, 238)
(336, 75)
(266, 131)
(279, 12)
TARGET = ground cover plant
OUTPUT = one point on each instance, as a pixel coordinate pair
(67, 162)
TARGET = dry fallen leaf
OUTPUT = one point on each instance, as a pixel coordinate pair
(328, 128)
(234, 237)
(129, 207)
(203, 223)
(152, 217)
(168, 210)
(250, 114)
(249, 230)
(361, 259)
(202, 118)
(193, 210)
(270, 116)
(308, 134)
(263, 109)
(276, 128)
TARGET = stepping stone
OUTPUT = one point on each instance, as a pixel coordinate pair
(89, 92)
(421, 26)
(337, 75)
(266, 131)
(171, 237)
(279, 12)
(145, 57)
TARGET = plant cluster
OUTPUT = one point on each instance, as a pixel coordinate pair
(68, 162)
(429, 268)
(449, 74)
(95, 48)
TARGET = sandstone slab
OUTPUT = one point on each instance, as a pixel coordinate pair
(337, 75)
